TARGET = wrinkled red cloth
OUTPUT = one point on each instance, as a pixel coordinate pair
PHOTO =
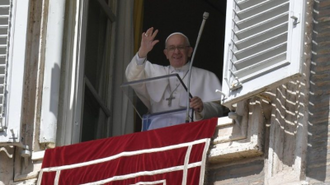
(170, 155)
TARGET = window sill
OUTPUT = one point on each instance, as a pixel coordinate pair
(233, 141)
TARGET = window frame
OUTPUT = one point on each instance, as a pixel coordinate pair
(73, 81)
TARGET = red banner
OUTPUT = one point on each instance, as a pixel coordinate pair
(172, 155)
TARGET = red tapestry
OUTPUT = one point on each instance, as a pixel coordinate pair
(172, 155)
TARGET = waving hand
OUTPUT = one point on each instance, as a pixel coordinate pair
(147, 42)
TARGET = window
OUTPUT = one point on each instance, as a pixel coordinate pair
(259, 55)
(97, 38)
(263, 46)
(96, 113)
(13, 27)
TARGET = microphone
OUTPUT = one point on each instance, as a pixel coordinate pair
(205, 16)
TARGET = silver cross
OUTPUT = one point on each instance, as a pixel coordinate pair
(169, 99)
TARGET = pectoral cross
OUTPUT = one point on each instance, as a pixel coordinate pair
(169, 99)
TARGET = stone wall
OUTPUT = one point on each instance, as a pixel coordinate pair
(296, 129)
(317, 166)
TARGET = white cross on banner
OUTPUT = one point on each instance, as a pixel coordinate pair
(168, 156)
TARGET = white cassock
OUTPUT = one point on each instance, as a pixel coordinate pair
(157, 96)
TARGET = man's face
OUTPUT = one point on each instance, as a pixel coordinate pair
(177, 51)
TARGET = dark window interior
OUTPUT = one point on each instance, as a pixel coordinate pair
(167, 16)
(186, 16)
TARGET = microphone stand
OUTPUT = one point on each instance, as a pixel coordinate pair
(205, 16)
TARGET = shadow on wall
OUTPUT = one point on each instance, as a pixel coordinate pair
(287, 127)
(318, 126)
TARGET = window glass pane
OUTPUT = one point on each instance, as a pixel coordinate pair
(95, 43)
(96, 70)
(94, 119)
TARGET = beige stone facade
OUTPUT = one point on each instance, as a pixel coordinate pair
(279, 137)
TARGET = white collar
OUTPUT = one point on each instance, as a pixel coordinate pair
(181, 69)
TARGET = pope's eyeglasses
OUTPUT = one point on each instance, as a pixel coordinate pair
(180, 48)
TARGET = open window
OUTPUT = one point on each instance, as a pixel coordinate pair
(99, 35)
(96, 81)
(263, 49)
(263, 46)
(13, 28)
(186, 16)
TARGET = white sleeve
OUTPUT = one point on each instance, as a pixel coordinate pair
(140, 61)
(210, 110)
(135, 69)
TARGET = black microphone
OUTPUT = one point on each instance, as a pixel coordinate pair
(205, 16)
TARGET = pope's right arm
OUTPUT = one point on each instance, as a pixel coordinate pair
(135, 69)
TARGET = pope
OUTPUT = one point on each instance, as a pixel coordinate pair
(205, 102)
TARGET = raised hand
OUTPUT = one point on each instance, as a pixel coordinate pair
(147, 42)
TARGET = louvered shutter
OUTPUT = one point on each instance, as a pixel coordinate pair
(13, 29)
(263, 46)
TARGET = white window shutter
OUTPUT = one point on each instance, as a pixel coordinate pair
(13, 30)
(263, 46)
